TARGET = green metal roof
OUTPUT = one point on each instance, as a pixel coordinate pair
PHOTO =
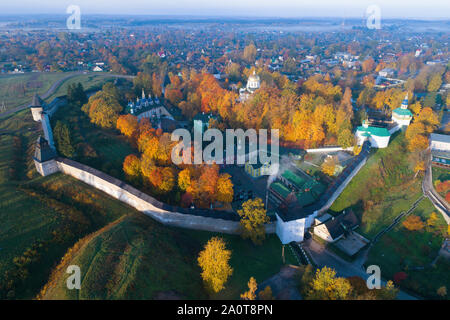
(305, 198)
(374, 131)
(293, 178)
(403, 112)
(280, 189)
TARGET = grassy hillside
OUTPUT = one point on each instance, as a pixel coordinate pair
(40, 217)
(382, 189)
(18, 89)
(412, 252)
(137, 258)
(89, 82)
(132, 258)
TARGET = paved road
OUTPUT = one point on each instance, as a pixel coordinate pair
(323, 257)
(57, 84)
(428, 190)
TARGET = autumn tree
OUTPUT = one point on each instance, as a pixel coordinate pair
(413, 223)
(253, 219)
(127, 125)
(103, 108)
(388, 292)
(368, 65)
(250, 294)
(249, 54)
(435, 82)
(327, 286)
(329, 166)
(442, 291)
(132, 167)
(346, 138)
(142, 81)
(266, 294)
(224, 188)
(214, 262)
(185, 179)
(417, 133)
(433, 219)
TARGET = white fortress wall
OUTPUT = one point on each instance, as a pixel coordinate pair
(142, 202)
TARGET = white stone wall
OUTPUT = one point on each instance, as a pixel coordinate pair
(290, 230)
(376, 141)
(46, 168)
(163, 216)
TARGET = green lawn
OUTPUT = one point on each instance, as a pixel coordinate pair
(403, 250)
(137, 258)
(100, 148)
(382, 189)
(28, 217)
(133, 258)
(248, 260)
(89, 82)
(18, 89)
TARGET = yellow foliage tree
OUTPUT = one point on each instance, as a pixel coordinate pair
(251, 293)
(329, 166)
(214, 262)
(225, 188)
(127, 124)
(266, 294)
(433, 219)
(326, 286)
(253, 217)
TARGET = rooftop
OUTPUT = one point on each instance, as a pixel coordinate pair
(440, 137)
(403, 112)
(280, 188)
(43, 150)
(293, 178)
(374, 131)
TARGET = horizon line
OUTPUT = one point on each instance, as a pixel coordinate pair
(210, 16)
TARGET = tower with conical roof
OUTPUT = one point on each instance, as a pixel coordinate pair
(36, 107)
(44, 157)
(402, 116)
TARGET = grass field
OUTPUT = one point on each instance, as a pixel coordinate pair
(137, 258)
(100, 148)
(18, 89)
(89, 82)
(404, 250)
(382, 189)
(28, 217)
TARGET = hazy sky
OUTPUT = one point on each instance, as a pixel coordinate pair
(272, 8)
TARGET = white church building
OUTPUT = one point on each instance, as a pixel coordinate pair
(253, 84)
(379, 136)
